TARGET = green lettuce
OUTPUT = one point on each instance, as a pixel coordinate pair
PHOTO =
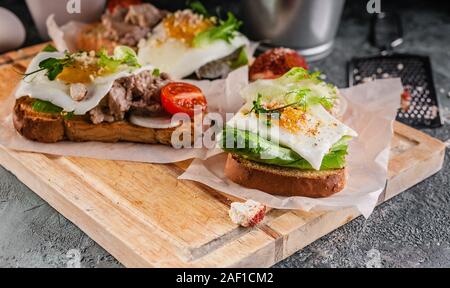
(297, 88)
(241, 60)
(226, 30)
(123, 55)
(263, 151)
(42, 106)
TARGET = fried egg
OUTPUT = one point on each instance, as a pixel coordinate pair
(312, 135)
(170, 48)
(38, 86)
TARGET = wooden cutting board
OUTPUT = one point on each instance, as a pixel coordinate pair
(145, 217)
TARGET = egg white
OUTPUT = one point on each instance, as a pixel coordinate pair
(312, 148)
(38, 86)
(180, 60)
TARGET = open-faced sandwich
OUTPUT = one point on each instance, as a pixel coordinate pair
(88, 96)
(123, 23)
(188, 43)
(285, 140)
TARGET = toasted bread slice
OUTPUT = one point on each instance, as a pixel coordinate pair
(91, 39)
(284, 181)
(51, 128)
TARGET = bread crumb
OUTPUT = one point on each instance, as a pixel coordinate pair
(247, 214)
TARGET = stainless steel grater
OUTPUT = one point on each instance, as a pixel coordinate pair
(420, 107)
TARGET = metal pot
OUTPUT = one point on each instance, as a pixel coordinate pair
(308, 26)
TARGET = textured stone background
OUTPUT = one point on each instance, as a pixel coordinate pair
(412, 230)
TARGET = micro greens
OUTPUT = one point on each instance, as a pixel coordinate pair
(298, 98)
(226, 30)
(156, 72)
(49, 48)
(53, 66)
(122, 56)
(297, 88)
(258, 108)
(198, 8)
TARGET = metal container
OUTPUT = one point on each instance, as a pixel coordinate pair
(308, 26)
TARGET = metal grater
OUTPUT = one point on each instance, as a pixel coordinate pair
(419, 101)
(422, 109)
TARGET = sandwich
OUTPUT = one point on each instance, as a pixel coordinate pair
(286, 140)
(188, 43)
(123, 23)
(89, 96)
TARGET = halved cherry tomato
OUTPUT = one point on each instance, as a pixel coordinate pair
(113, 4)
(179, 97)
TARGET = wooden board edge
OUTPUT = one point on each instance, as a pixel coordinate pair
(107, 238)
(21, 54)
(296, 234)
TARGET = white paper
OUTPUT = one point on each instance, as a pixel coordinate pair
(371, 109)
(222, 96)
(64, 37)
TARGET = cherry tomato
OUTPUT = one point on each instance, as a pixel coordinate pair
(113, 4)
(275, 63)
(179, 97)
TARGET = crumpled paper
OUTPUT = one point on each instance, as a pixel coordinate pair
(371, 110)
(222, 96)
(64, 37)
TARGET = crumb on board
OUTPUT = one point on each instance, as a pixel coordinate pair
(247, 214)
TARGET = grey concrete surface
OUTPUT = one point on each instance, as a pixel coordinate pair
(411, 230)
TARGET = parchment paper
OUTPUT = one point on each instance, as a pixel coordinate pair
(64, 37)
(372, 107)
(222, 96)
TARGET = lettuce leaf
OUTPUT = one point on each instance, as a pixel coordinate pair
(226, 30)
(297, 87)
(241, 60)
(263, 151)
(123, 55)
(42, 106)
(45, 107)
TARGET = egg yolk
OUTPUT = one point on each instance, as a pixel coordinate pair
(186, 27)
(292, 119)
(79, 74)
